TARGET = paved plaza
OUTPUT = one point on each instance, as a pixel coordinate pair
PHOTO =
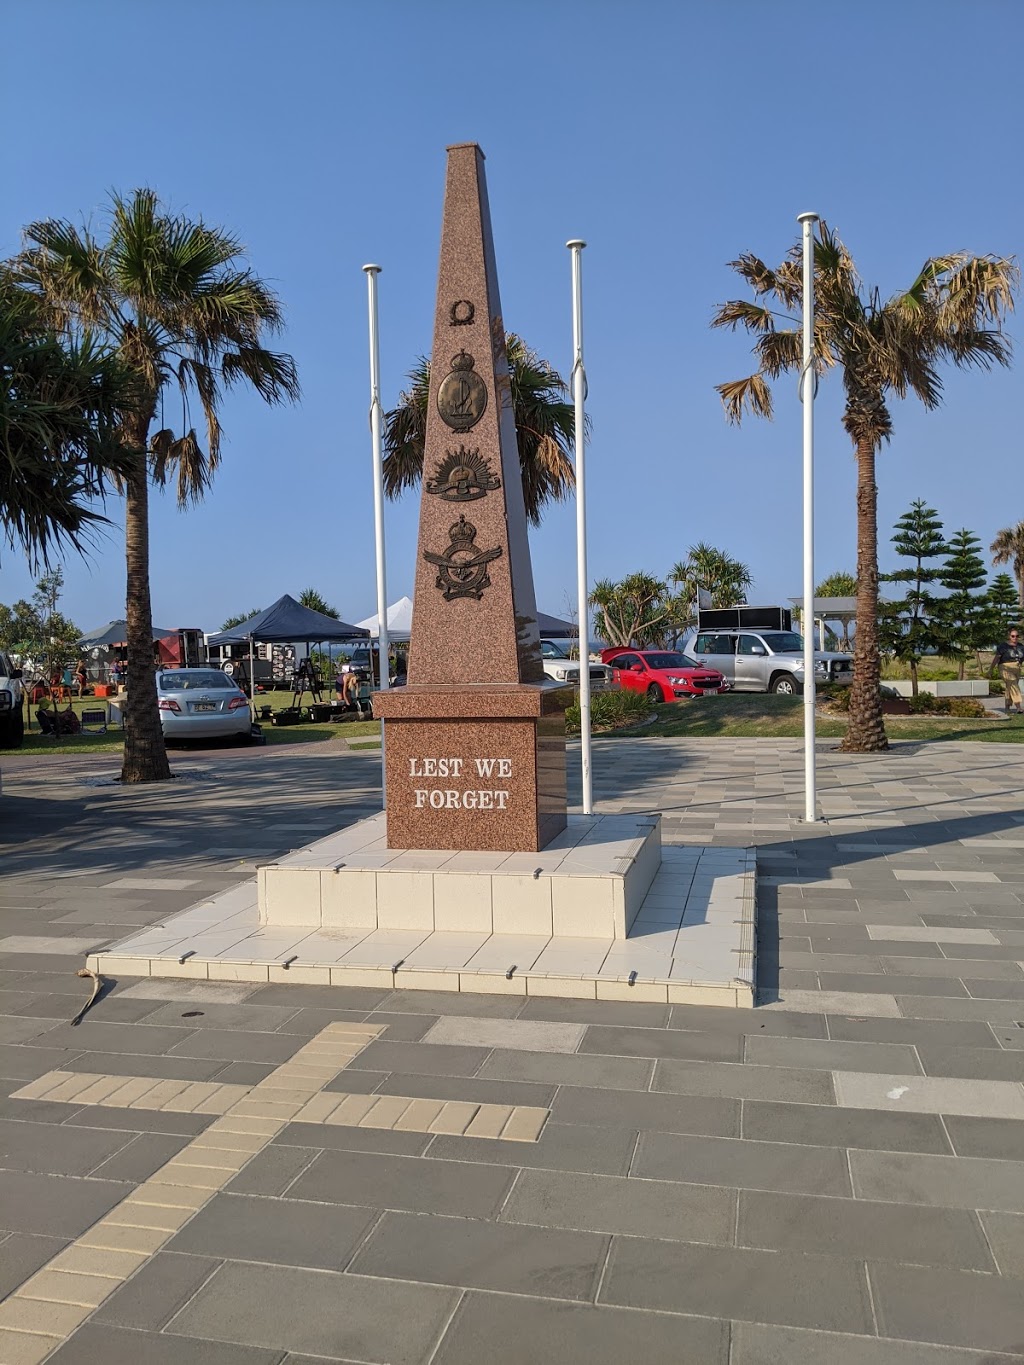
(231, 1173)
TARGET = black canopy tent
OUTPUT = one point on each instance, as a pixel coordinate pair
(285, 622)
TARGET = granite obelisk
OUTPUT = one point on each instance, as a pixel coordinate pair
(475, 744)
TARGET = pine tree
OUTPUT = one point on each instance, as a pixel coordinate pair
(1005, 608)
(964, 618)
(907, 626)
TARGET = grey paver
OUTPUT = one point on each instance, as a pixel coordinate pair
(105, 1344)
(1005, 1233)
(729, 1079)
(862, 1229)
(836, 1126)
(759, 1286)
(422, 1058)
(55, 1206)
(302, 1310)
(279, 1231)
(811, 1053)
(761, 1344)
(21, 1255)
(948, 1306)
(476, 1088)
(507, 1331)
(640, 1208)
(477, 1255)
(560, 1147)
(986, 1137)
(743, 1164)
(157, 1291)
(47, 1147)
(343, 1138)
(396, 1182)
(143, 1155)
(617, 1073)
(664, 1112)
(635, 1042)
(956, 1182)
(271, 1171)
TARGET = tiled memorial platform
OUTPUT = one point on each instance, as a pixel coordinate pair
(605, 912)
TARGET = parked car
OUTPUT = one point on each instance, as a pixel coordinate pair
(201, 703)
(559, 666)
(767, 660)
(12, 713)
(664, 675)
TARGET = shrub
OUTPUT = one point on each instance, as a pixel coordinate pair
(610, 710)
(924, 704)
(966, 706)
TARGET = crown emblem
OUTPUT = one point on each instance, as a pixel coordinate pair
(463, 361)
(463, 476)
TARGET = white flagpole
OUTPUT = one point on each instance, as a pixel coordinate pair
(579, 390)
(376, 420)
(807, 221)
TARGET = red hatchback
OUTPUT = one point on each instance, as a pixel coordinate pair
(663, 675)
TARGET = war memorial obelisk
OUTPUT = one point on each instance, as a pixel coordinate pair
(475, 743)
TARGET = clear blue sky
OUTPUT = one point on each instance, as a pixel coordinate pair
(671, 136)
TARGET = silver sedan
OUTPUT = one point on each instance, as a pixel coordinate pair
(201, 703)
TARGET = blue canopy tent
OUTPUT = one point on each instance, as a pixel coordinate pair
(286, 622)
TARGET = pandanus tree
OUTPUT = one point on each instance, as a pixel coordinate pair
(952, 312)
(714, 571)
(1008, 548)
(178, 305)
(545, 429)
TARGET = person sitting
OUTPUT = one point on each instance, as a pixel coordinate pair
(55, 723)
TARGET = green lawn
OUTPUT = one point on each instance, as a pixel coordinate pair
(755, 714)
(112, 741)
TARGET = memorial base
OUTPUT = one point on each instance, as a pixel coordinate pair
(605, 913)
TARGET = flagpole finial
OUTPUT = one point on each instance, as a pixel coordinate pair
(802, 218)
(372, 269)
(576, 241)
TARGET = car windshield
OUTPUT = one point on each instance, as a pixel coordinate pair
(190, 680)
(784, 642)
(670, 661)
(552, 651)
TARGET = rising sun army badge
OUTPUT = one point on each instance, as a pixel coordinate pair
(463, 476)
(462, 572)
(462, 395)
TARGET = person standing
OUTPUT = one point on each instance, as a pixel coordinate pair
(81, 676)
(1009, 658)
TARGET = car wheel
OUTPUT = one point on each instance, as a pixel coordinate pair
(785, 685)
(654, 693)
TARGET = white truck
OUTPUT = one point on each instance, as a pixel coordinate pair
(757, 650)
(12, 704)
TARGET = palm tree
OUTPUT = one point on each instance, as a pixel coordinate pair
(632, 612)
(59, 406)
(1008, 548)
(545, 428)
(713, 571)
(309, 597)
(952, 311)
(181, 310)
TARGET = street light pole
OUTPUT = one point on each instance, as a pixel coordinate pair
(579, 390)
(807, 221)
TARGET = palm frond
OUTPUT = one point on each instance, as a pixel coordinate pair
(740, 396)
(741, 313)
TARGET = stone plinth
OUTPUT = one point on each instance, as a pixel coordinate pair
(589, 882)
(476, 768)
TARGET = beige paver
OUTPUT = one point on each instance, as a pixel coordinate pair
(98, 1093)
(171, 1196)
(193, 1177)
(160, 1095)
(118, 1237)
(386, 1112)
(525, 1124)
(490, 1120)
(319, 1107)
(39, 1315)
(24, 1348)
(454, 1118)
(137, 1213)
(352, 1108)
(61, 1286)
(42, 1085)
(419, 1116)
(228, 1142)
(83, 1260)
